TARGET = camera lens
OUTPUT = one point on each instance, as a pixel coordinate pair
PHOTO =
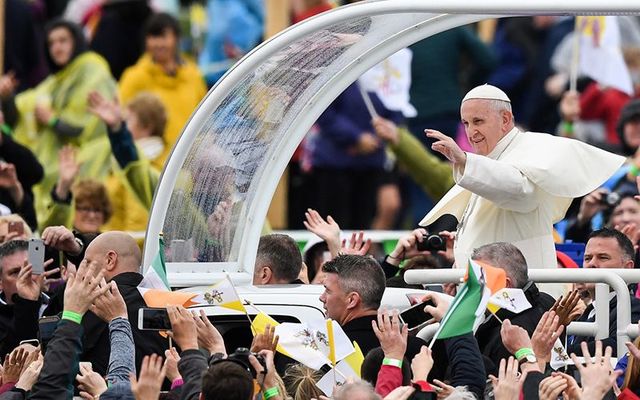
(435, 242)
(612, 198)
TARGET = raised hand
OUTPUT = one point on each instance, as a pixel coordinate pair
(183, 328)
(450, 238)
(570, 106)
(447, 147)
(367, 143)
(8, 176)
(590, 205)
(422, 363)
(29, 288)
(407, 247)
(208, 336)
(270, 374)
(328, 230)
(597, 375)
(83, 288)
(392, 336)
(507, 385)
(440, 309)
(632, 231)
(265, 341)
(61, 238)
(68, 170)
(514, 337)
(545, 336)
(573, 390)
(386, 130)
(13, 364)
(8, 84)
(357, 245)
(90, 383)
(108, 111)
(171, 358)
(110, 305)
(551, 387)
(565, 306)
(30, 375)
(149, 383)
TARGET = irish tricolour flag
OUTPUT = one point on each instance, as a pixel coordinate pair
(470, 303)
(155, 288)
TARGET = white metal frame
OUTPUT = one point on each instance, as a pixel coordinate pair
(616, 279)
(447, 15)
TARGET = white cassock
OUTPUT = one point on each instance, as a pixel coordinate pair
(517, 192)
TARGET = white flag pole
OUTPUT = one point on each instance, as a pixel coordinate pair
(368, 103)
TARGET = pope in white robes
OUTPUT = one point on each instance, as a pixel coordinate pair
(517, 184)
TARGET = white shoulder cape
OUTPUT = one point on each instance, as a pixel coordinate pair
(564, 168)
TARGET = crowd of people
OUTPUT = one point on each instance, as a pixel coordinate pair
(93, 92)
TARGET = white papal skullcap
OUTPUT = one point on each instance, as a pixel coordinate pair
(488, 92)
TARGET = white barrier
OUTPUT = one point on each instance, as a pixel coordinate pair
(616, 279)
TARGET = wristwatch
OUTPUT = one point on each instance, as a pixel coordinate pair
(529, 358)
(526, 355)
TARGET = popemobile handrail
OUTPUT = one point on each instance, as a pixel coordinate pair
(616, 278)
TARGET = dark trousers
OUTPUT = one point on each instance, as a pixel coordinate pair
(348, 195)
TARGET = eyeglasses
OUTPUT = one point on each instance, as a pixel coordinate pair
(89, 210)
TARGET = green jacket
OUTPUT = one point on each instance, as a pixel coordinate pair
(433, 175)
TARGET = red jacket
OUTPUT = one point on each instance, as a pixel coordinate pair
(628, 395)
(390, 378)
(603, 105)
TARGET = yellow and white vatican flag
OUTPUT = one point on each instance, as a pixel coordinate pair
(390, 80)
(221, 294)
(343, 371)
(559, 356)
(600, 54)
(511, 299)
(309, 344)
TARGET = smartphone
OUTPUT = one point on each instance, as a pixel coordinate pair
(33, 342)
(414, 316)
(17, 227)
(36, 255)
(47, 329)
(86, 364)
(153, 319)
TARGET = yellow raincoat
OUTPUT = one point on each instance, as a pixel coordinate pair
(67, 91)
(180, 93)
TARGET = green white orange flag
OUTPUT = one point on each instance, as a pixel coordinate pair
(469, 303)
(155, 289)
(156, 275)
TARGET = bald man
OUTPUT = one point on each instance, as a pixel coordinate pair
(515, 185)
(118, 256)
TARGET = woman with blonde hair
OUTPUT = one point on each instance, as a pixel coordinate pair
(300, 382)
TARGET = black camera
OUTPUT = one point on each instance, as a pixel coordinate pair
(610, 199)
(433, 243)
(241, 356)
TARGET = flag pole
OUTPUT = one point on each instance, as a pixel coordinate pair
(367, 102)
(575, 58)
(238, 296)
(332, 349)
(249, 303)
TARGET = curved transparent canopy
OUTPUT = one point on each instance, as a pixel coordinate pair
(213, 197)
